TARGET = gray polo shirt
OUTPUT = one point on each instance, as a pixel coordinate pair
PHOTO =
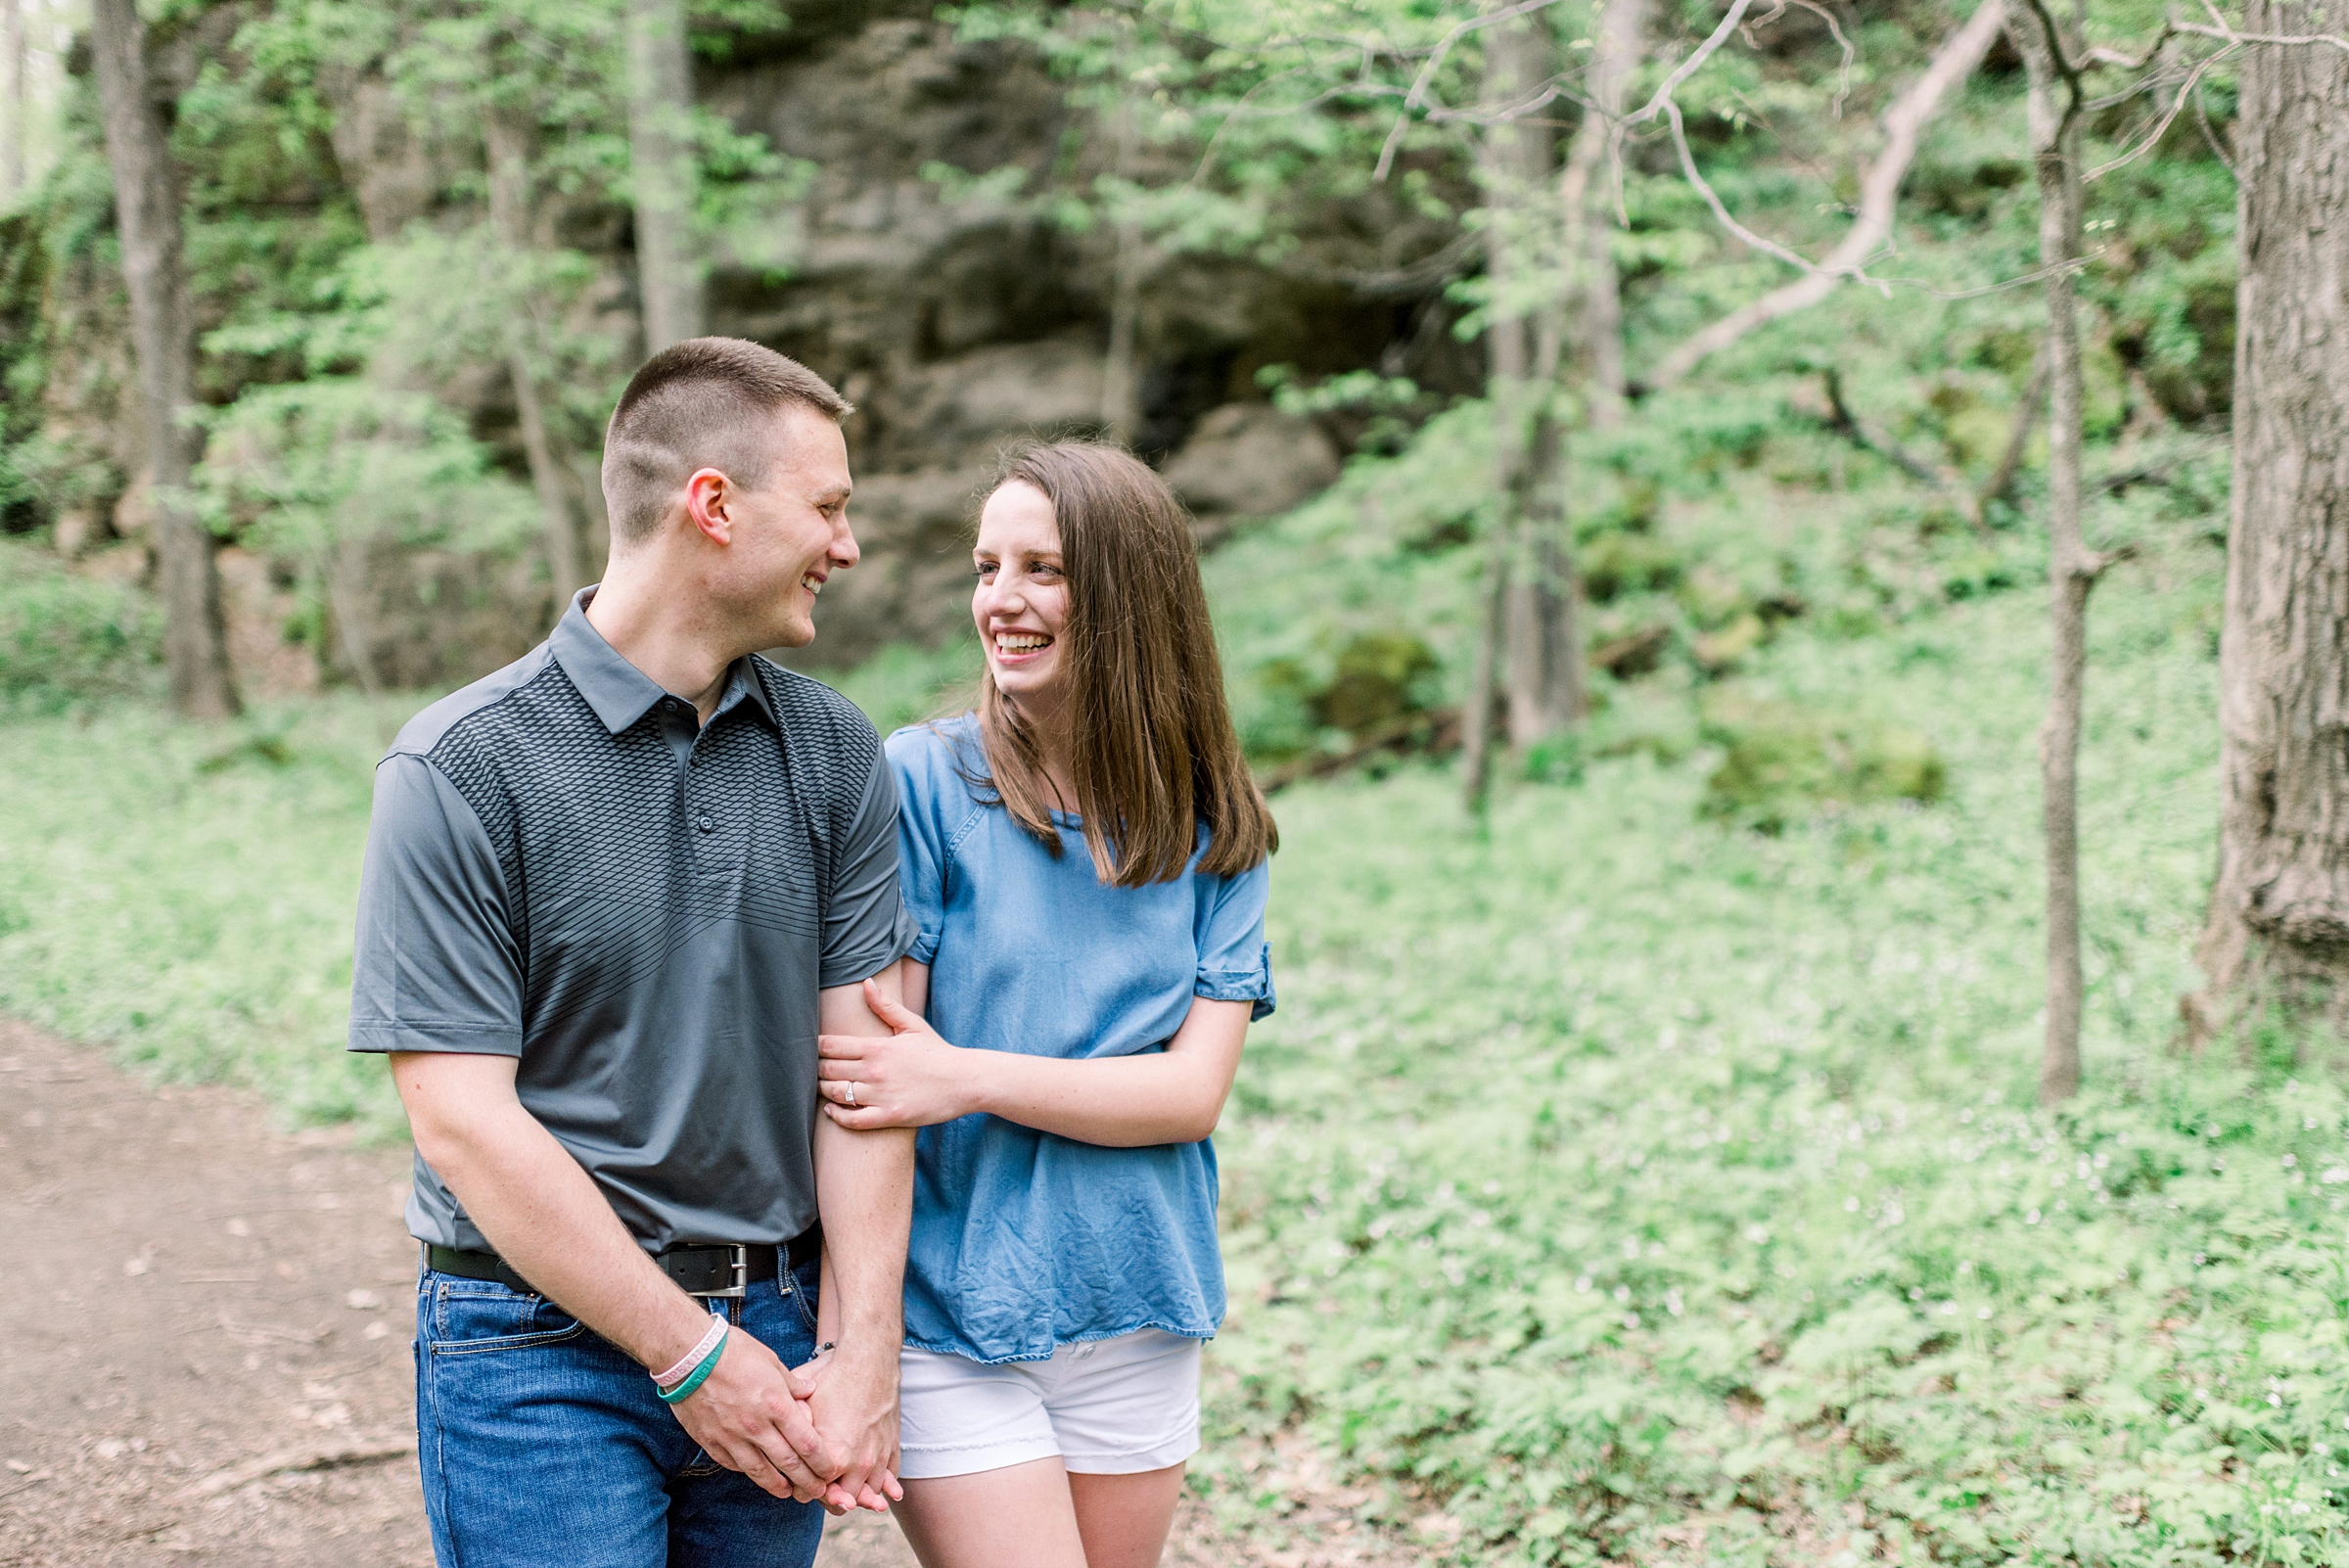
(566, 867)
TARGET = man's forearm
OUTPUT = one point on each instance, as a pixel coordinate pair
(543, 1213)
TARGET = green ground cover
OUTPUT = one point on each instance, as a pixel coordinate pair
(1627, 1183)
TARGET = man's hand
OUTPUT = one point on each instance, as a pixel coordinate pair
(748, 1416)
(543, 1212)
(910, 1077)
(856, 1412)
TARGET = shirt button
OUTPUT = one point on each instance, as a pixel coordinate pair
(707, 823)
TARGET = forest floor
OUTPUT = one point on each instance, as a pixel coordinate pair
(204, 1350)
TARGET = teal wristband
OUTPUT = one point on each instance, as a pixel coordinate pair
(697, 1377)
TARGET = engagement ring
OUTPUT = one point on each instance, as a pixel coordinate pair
(852, 1093)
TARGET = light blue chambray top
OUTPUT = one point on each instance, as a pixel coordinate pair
(1024, 1240)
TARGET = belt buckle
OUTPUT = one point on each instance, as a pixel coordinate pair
(739, 1256)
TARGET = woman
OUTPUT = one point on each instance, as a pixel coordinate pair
(1086, 855)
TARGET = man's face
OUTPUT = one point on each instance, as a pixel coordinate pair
(791, 532)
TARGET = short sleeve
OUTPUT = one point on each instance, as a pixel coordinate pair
(1235, 962)
(437, 966)
(921, 843)
(866, 928)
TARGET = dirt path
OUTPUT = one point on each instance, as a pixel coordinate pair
(203, 1344)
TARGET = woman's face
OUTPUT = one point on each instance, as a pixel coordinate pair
(1021, 603)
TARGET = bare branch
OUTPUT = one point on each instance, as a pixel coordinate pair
(2209, 134)
(1843, 79)
(1844, 422)
(2330, 39)
(2193, 84)
(1872, 230)
(1721, 212)
(1687, 68)
(1435, 60)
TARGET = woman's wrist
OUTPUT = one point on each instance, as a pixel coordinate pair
(968, 1081)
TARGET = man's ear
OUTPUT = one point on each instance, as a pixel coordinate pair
(709, 504)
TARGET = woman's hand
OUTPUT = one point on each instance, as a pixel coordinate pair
(912, 1078)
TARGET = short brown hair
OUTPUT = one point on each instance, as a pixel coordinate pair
(701, 403)
(1153, 753)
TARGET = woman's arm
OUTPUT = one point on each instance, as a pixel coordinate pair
(915, 1077)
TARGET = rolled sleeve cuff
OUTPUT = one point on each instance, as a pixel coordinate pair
(462, 1039)
(1240, 985)
(862, 964)
(925, 948)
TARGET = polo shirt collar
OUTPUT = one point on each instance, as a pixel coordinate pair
(621, 693)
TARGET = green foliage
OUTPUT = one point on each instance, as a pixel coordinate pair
(1645, 1194)
(904, 684)
(1781, 764)
(65, 638)
(183, 893)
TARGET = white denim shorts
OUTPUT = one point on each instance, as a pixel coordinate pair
(1112, 1407)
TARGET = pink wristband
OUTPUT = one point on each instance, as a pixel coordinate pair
(693, 1358)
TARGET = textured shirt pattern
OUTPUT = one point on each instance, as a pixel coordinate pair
(1024, 1240)
(566, 866)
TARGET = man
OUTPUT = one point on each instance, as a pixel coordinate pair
(612, 893)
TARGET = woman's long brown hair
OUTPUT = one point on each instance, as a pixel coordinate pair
(1151, 753)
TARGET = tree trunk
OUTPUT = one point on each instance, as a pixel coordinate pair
(509, 220)
(662, 164)
(12, 122)
(1538, 640)
(163, 341)
(1586, 200)
(2071, 570)
(1476, 713)
(2278, 932)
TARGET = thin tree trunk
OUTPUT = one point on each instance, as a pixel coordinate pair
(2071, 570)
(2278, 931)
(1523, 343)
(343, 568)
(2018, 439)
(509, 221)
(1586, 202)
(163, 341)
(1476, 713)
(12, 122)
(662, 164)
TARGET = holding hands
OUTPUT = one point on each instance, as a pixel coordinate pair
(912, 1078)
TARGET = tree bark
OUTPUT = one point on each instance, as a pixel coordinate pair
(1476, 713)
(1537, 637)
(508, 148)
(2071, 570)
(163, 341)
(662, 170)
(2278, 930)
(1586, 203)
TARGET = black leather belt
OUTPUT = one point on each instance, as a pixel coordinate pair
(700, 1268)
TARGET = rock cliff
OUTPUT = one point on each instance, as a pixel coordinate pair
(956, 322)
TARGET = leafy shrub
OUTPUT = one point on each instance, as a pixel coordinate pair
(1785, 764)
(1616, 564)
(1381, 677)
(66, 638)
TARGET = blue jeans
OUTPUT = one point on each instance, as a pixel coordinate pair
(541, 1443)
